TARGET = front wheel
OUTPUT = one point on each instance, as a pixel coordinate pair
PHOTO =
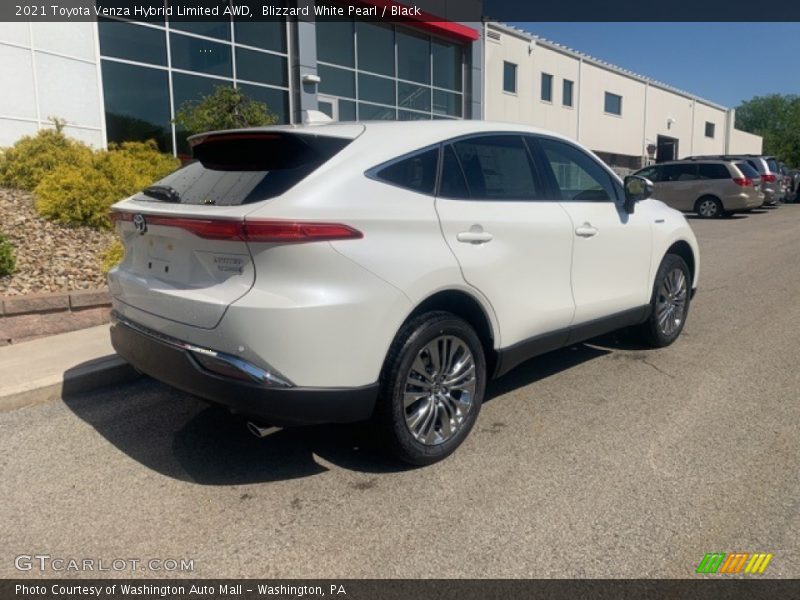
(432, 387)
(669, 304)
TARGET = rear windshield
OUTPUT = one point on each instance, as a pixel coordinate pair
(747, 170)
(773, 166)
(241, 168)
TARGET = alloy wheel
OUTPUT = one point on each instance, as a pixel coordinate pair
(439, 390)
(671, 302)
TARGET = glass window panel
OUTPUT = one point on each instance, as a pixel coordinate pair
(190, 88)
(413, 96)
(203, 56)
(497, 167)
(447, 69)
(261, 67)
(216, 29)
(547, 87)
(452, 184)
(613, 104)
(337, 82)
(375, 48)
(277, 101)
(325, 107)
(376, 89)
(132, 42)
(509, 77)
(566, 93)
(447, 103)
(269, 35)
(579, 176)
(137, 104)
(417, 173)
(407, 115)
(347, 110)
(335, 42)
(413, 57)
(371, 112)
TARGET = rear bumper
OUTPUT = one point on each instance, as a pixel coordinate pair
(170, 363)
(743, 201)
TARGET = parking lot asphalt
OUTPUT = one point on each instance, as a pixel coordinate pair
(600, 460)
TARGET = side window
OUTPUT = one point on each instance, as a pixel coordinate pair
(712, 171)
(680, 172)
(649, 173)
(452, 184)
(578, 175)
(417, 172)
(497, 167)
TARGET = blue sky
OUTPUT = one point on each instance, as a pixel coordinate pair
(726, 63)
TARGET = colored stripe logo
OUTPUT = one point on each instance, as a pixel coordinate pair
(720, 562)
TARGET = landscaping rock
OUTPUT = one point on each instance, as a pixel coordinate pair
(50, 257)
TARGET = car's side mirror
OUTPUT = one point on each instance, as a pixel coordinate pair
(636, 189)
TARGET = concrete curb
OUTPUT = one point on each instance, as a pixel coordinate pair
(59, 366)
(100, 373)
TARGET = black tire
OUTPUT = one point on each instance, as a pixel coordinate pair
(709, 207)
(391, 414)
(652, 333)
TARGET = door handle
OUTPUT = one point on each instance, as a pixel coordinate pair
(586, 230)
(474, 237)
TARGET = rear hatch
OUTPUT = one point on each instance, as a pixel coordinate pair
(185, 237)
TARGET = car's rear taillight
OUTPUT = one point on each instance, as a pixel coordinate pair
(743, 181)
(264, 231)
(768, 177)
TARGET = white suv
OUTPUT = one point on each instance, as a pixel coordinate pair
(341, 272)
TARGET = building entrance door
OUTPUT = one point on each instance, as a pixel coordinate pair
(667, 148)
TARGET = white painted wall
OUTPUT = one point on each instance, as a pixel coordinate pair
(742, 142)
(48, 70)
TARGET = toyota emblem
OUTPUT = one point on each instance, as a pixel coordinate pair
(139, 223)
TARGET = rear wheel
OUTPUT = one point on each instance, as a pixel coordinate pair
(432, 387)
(709, 207)
(669, 305)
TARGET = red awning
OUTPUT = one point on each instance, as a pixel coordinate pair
(426, 21)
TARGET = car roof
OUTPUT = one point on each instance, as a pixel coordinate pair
(401, 130)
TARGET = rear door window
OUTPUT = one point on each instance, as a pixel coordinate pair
(498, 167)
(241, 168)
(453, 184)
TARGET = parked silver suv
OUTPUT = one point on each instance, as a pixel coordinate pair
(711, 188)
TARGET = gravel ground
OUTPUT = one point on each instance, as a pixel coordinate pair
(50, 257)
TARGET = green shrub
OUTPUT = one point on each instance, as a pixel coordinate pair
(113, 255)
(82, 194)
(7, 261)
(24, 164)
(224, 108)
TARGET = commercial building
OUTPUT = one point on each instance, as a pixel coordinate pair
(114, 80)
(627, 119)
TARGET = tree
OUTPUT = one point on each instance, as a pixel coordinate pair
(776, 118)
(225, 108)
